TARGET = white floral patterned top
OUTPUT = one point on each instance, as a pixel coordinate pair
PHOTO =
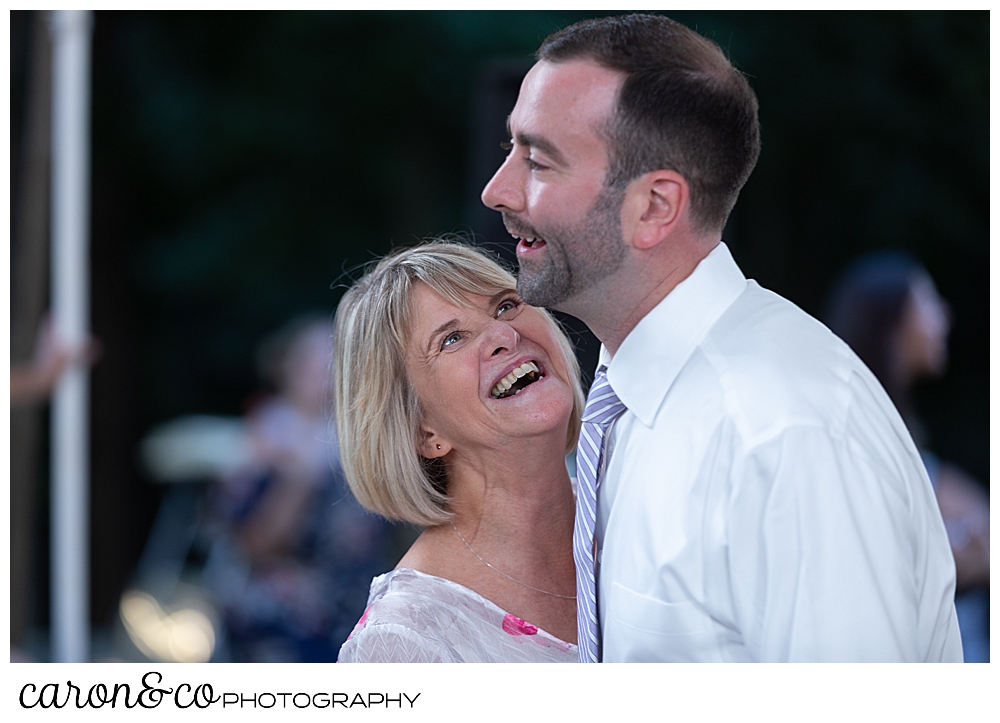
(413, 617)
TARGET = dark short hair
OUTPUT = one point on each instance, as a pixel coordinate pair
(682, 106)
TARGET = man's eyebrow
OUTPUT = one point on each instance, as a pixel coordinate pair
(542, 144)
(535, 141)
(450, 324)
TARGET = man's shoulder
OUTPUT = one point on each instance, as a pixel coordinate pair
(768, 326)
(778, 365)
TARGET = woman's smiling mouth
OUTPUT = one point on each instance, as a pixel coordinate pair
(516, 380)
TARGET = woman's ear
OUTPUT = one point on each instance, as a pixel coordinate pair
(431, 446)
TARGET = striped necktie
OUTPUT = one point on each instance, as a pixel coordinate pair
(603, 407)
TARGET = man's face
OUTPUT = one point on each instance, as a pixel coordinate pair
(550, 188)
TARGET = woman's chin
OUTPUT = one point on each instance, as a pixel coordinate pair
(543, 418)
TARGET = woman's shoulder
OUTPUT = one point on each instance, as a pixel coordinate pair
(402, 622)
(416, 617)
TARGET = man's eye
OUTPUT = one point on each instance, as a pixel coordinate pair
(452, 338)
(507, 145)
(534, 165)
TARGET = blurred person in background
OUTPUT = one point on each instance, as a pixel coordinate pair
(886, 307)
(301, 549)
(35, 380)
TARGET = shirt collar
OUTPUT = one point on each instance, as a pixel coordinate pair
(654, 352)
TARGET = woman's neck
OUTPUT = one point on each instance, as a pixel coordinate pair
(518, 486)
(512, 536)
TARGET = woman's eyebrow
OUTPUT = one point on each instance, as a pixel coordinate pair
(451, 323)
(500, 295)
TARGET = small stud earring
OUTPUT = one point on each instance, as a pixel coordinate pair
(439, 446)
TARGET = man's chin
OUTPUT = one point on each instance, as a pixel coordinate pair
(539, 290)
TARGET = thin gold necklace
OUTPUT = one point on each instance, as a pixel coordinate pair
(524, 584)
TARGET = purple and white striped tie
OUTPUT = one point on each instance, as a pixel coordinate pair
(603, 407)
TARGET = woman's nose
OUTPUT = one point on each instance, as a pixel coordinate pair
(504, 191)
(501, 337)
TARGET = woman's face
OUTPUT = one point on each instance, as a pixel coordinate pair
(487, 374)
(924, 330)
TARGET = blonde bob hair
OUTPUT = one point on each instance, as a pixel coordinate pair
(377, 411)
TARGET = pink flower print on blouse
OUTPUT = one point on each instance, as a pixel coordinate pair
(361, 622)
(516, 626)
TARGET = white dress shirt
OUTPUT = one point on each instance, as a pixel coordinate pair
(762, 499)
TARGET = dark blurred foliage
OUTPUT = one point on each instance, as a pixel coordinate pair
(250, 158)
(875, 131)
(243, 161)
(254, 157)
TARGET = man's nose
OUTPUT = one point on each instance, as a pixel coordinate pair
(504, 192)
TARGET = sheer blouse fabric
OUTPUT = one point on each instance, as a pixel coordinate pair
(413, 617)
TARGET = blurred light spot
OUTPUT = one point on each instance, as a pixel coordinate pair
(183, 636)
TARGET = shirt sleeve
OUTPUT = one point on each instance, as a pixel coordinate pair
(838, 553)
(392, 643)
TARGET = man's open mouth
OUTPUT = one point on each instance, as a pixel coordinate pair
(516, 380)
(531, 242)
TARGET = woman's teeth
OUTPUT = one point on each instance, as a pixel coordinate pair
(503, 387)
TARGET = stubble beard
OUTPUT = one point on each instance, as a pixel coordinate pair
(561, 275)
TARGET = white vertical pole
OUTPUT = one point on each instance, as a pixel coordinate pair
(70, 589)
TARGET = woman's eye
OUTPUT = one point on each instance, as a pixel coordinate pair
(507, 306)
(452, 338)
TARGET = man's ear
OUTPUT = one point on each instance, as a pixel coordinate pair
(657, 200)
(431, 445)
